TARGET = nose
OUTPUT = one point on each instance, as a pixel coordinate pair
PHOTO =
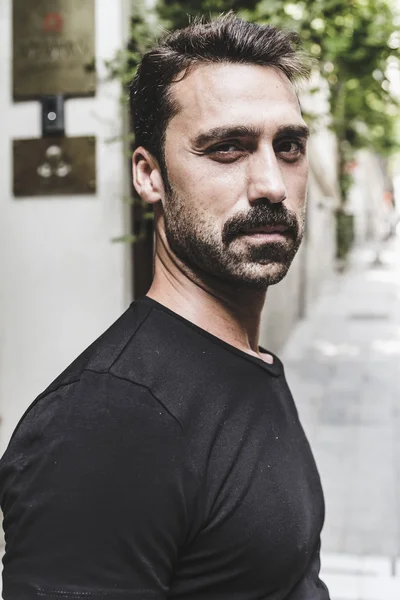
(265, 180)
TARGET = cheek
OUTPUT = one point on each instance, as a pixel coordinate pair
(209, 187)
(296, 186)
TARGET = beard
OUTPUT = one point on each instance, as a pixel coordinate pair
(227, 255)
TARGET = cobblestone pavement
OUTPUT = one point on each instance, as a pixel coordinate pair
(343, 365)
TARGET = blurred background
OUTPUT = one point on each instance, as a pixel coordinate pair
(76, 245)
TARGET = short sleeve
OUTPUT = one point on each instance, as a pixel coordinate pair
(97, 493)
(311, 586)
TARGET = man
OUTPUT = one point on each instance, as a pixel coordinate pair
(168, 460)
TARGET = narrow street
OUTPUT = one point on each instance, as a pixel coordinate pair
(343, 365)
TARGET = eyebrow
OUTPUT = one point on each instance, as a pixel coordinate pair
(221, 133)
(301, 131)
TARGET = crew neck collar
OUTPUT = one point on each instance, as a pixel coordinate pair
(276, 368)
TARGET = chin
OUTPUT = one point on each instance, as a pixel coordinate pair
(259, 277)
(272, 278)
(276, 272)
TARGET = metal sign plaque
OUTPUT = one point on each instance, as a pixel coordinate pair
(53, 48)
(52, 166)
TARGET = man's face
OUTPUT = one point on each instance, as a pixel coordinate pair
(237, 174)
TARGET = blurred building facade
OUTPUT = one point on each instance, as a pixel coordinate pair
(370, 198)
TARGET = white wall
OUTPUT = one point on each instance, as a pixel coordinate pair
(62, 281)
(366, 198)
(323, 199)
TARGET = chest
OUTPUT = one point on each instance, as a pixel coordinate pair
(263, 506)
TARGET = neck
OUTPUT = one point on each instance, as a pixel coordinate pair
(231, 314)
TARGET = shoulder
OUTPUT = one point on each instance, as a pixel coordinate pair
(96, 404)
(101, 465)
(100, 422)
(107, 349)
(87, 383)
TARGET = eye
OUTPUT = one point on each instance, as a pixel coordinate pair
(290, 149)
(226, 152)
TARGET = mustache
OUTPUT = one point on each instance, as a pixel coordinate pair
(261, 216)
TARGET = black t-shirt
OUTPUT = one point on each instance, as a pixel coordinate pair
(163, 463)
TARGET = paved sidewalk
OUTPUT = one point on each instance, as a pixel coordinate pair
(343, 365)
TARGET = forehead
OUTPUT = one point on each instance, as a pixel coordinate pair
(223, 94)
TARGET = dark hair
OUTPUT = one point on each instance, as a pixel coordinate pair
(226, 38)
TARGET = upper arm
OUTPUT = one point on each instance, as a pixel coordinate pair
(98, 496)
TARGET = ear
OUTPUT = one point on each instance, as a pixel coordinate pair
(147, 176)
